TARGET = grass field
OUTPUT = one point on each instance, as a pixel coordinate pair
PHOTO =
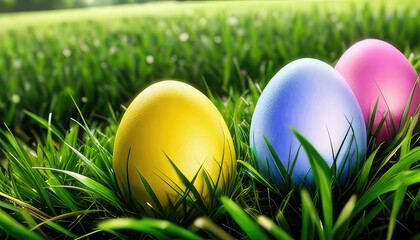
(66, 77)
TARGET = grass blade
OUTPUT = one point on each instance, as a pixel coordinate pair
(273, 228)
(15, 229)
(277, 161)
(322, 176)
(244, 221)
(255, 174)
(410, 177)
(396, 205)
(159, 228)
(92, 185)
(189, 185)
(342, 224)
(44, 123)
(364, 173)
(207, 225)
(151, 193)
(310, 217)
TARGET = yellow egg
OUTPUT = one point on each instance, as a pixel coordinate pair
(175, 119)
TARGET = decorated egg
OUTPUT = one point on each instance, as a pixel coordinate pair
(376, 69)
(172, 121)
(313, 98)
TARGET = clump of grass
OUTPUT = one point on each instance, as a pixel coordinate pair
(57, 181)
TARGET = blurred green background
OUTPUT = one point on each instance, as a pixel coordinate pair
(103, 56)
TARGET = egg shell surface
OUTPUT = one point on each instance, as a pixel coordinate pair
(312, 97)
(175, 119)
(374, 68)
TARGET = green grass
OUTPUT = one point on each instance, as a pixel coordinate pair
(55, 169)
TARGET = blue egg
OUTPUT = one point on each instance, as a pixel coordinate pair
(312, 97)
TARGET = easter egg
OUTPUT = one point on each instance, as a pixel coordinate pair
(172, 121)
(376, 69)
(313, 98)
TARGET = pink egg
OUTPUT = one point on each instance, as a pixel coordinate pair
(374, 68)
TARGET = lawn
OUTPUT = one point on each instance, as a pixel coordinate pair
(67, 76)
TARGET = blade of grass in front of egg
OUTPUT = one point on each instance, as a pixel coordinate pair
(364, 173)
(186, 197)
(255, 174)
(406, 146)
(180, 209)
(211, 186)
(284, 174)
(372, 138)
(342, 223)
(402, 134)
(340, 168)
(310, 218)
(291, 184)
(189, 185)
(407, 106)
(379, 127)
(149, 190)
(393, 130)
(323, 177)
